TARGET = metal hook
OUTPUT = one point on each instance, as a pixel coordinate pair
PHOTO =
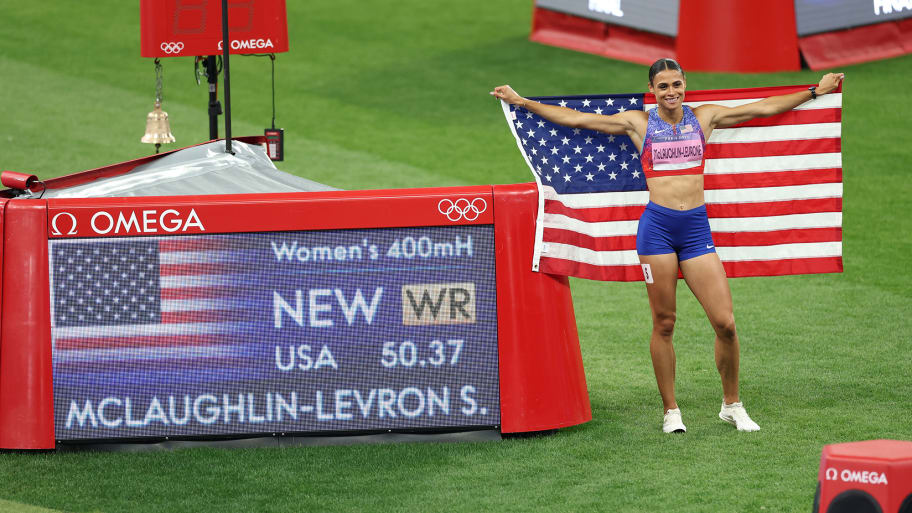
(197, 72)
(158, 80)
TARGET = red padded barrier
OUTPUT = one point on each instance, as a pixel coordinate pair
(542, 383)
(727, 36)
(26, 399)
(861, 44)
(593, 36)
(738, 36)
(3, 202)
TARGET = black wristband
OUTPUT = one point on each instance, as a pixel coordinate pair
(813, 90)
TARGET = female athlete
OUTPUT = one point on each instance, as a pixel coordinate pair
(674, 230)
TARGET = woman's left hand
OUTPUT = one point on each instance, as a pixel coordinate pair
(829, 82)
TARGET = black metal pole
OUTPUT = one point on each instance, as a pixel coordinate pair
(226, 45)
(214, 107)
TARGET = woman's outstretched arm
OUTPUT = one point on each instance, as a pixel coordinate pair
(724, 117)
(622, 123)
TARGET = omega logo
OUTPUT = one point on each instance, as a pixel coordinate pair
(121, 223)
(249, 44)
(856, 476)
(55, 230)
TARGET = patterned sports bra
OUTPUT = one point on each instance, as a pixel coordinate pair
(672, 150)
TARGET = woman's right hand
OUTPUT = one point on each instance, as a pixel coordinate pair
(829, 82)
(507, 94)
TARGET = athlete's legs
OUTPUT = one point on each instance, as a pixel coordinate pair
(664, 270)
(706, 278)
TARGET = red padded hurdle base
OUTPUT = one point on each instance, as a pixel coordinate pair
(865, 477)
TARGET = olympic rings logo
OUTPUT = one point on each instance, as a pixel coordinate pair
(172, 47)
(462, 208)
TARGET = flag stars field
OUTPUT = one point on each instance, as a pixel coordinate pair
(595, 156)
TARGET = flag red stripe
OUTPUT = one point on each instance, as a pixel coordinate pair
(618, 243)
(732, 269)
(131, 342)
(745, 269)
(198, 316)
(796, 236)
(774, 208)
(797, 117)
(589, 271)
(161, 363)
(197, 268)
(721, 239)
(596, 214)
(772, 148)
(192, 244)
(758, 209)
(772, 179)
(195, 293)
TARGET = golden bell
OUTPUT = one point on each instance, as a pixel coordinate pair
(158, 130)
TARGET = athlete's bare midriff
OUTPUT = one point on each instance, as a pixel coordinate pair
(682, 192)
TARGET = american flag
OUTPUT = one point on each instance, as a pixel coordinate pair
(148, 303)
(773, 187)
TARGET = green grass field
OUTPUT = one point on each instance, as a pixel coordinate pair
(394, 94)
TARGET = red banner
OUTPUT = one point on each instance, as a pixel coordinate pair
(176, 28)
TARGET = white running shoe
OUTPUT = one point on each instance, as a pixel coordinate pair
(672, 422)
(734, 413)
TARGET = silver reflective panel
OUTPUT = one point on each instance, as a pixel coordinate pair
(204, 169)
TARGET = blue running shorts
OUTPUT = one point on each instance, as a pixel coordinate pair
(663, 230)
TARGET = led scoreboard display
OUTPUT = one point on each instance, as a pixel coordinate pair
(279, 316)
(303, 331)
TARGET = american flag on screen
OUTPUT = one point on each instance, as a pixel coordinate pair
(146, 300)
(773, 187)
